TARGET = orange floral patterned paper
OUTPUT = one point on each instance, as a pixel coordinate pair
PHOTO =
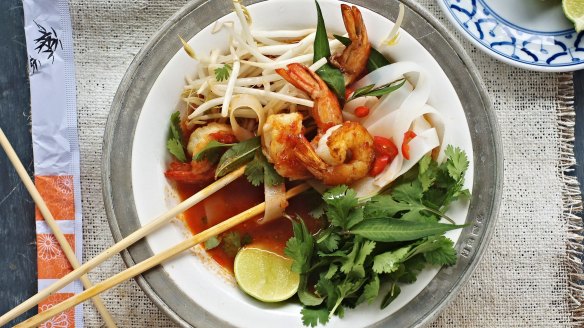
(52, 262)
(57, 191)
(62, 320)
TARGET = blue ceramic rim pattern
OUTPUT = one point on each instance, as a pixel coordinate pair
(478, 16)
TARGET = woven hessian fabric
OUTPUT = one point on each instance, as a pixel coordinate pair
(523, 279)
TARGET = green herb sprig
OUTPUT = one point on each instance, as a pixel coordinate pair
(328, 73)
(389, 239)
(222, 73)
(174, 142)
(385, 89)
(258, 170)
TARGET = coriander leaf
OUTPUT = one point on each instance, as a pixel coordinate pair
(438, 250)
(341, 202)
(389, 262)
(271, 177)
(449, 182)
(175, 125)
(355, 216)
(174, 142)
(457, 162)
(333, 268)
(231, 243)
(408, 193)
(222, 73)
(176, 149)
(328, 240)
(410, 269)
(391, 230)
(211, 152)
(300, 247)
(317, 212)
(259, 171)
(427, 172)
(327, 290)
(254, 171)
(353, 263)
(313, 316)
(212, 243)
(238, 155)
(358, 269)
(393, 293)
(384, 206)
(370, 291)
(344, 289)
(349, 260)
(376, 59)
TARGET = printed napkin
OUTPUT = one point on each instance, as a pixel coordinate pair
(55, 146)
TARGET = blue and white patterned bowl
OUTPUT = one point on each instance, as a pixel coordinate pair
(531, 34)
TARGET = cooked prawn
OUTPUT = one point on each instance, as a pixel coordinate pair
(205, 134)
(327, 110)
(280, 134)
(353, 59)
(347, 152)
(199, 172)
(350, 148)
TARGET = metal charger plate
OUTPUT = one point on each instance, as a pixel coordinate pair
(149, 62)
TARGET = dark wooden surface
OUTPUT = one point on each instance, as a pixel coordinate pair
(18, 270)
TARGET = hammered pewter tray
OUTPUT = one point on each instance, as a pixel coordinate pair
(149, 62)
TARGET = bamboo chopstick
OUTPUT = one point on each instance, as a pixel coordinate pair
(154, 260)
(121, 245)
(50, 220)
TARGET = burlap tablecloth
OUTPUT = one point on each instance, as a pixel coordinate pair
(527, 276)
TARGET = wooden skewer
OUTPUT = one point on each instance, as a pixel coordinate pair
(154, 260)
(121, 245)
(50, 220)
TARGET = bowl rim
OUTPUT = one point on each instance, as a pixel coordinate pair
(110, 148)
(498, 56)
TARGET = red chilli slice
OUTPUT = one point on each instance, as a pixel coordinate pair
(379, 164)
(408, 136)
(361, 111)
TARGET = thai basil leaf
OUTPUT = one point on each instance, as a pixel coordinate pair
(331, 75)
(237, 156)
(392, 230)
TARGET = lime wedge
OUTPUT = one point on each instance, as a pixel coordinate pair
(265, 275)
(574, 10)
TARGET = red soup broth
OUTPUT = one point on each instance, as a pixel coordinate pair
(235, 198)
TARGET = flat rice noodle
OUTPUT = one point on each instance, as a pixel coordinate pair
(276, 203)
(246, 102)
(390, 73)
(412, 114)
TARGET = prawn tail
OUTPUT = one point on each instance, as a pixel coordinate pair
(191, 173)
(308, 157)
